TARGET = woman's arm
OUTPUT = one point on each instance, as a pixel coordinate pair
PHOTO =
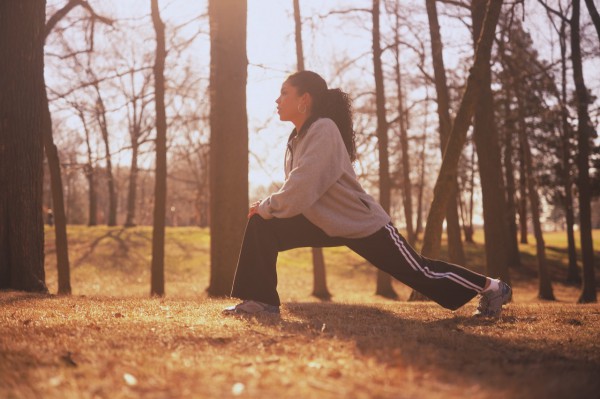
(319, 164)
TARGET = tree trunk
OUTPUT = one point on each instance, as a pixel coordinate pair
(468, 223)
(594, 14)
(486, 140)
(403, 123)
(133, 175)
(157, 286)
(384, 280)
(23, 118)
(229, 139)
(298, 31)
(421, 189)
(584, 130)
(58, 205)
(112, 195)
(573, 274)
(513, 255)
(90, 175)
(545, 285)
(456, 252)
(522, 199)
(319, 277)
(448, 171)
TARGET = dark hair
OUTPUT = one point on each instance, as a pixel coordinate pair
(328, 103)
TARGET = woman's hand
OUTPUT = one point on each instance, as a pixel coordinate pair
(253, 209)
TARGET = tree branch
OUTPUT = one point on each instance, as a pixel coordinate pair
(71, 4)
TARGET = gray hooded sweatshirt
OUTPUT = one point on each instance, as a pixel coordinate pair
(321, 184)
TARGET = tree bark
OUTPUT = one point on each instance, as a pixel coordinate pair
(486, 140)
(456, 252)
(584, 129)
(448, 171)
(229, 139)
(157, 286)
(23, 120)
(384, 280)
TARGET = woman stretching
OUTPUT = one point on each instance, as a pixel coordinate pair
(321, 204)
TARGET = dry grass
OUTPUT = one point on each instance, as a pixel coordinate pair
(110, 341)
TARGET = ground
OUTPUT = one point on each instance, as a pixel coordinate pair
(110, 340)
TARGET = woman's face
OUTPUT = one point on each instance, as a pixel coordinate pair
(289, 103)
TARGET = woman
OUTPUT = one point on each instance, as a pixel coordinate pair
(321, 204)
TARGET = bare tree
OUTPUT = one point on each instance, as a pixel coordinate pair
(485, 135)
(60, 220)
(584, 130)
(594, 14)
(229, 139)
(573, 274)
(138, 101)
(90, 170)
(157, 287)
(403, 127)
(100, 115)
(319, 276)
(384, 280)
(523, 200)
(24, 115)
(468, 205)
(545, 285)
(455, 249)
(462, 121)
(513, 255)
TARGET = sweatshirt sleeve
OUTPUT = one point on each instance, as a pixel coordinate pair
(319, 164)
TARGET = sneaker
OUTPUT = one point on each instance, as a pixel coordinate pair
(251, 307)
(490, 303)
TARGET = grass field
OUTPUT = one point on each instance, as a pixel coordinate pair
(110, 340)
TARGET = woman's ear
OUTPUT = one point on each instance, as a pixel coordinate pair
(307, 99)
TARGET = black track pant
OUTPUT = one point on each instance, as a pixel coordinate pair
(256, 277)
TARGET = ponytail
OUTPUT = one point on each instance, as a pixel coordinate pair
(338, 107)
(328, 103)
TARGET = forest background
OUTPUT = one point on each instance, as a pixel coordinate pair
(135, 114)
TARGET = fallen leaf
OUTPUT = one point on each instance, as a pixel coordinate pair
(237, 389)
(130, 379)
(68, 359)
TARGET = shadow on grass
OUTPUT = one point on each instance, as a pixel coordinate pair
(455, 349)
(124, 253)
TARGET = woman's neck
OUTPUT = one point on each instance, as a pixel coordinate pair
(298, 123)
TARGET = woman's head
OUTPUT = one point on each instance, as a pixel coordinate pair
(305, 94)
